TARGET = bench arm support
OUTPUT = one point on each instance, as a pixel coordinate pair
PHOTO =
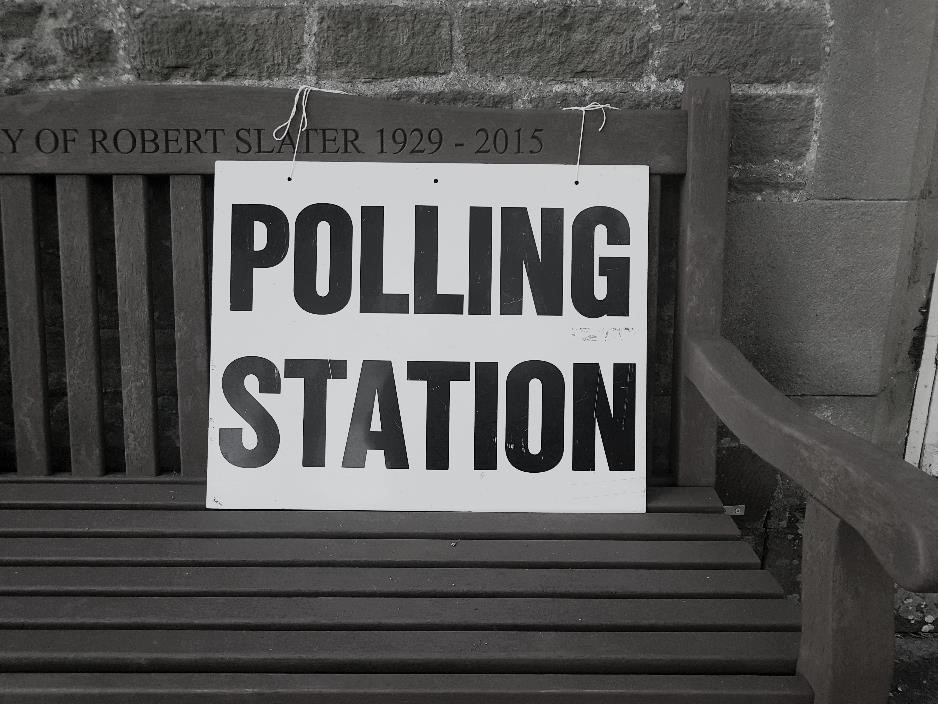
(890, 504)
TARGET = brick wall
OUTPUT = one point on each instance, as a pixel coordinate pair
(832, 137)
(515, 54)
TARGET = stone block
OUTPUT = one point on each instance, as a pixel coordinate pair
(365, 41)
(556, 41)
(658, 99)
(18, 19)
(750, 45)
(457, 96)
(878, 115)
(769, 127)
(86, 44)
(229, 42)
(808, 288)
(775, 181)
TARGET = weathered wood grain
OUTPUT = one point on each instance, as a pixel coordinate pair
(388, 581)
(399, 651)
(403, 552)
(189, 301)
(399, 613)
(888, 502)
(847, 645)
(68, 492)
(654, 235)
(136, 325)
(25, 321)
(80, 318)
(234, 688)
(700, 270)
(653, 137)
(65, 522)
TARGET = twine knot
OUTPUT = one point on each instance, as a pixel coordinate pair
(299, 102)
(583, 110)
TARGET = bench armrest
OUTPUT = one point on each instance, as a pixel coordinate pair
(890, 503)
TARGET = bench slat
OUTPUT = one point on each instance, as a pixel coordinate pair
(25, 323)
(136, 325)
(388, 581)
(732, 554)
(699, 270)
(233, 688)
(80, 317)
(189, 302)
(400, 651)
(651, 385)
(382, 613)
(65, 493)
(131, 523)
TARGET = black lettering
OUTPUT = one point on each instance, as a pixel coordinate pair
(614, 269)
(40, 141)
(214, 132)
(485, 433)
(376, 383)
(242, 135)
(68, 138)
(616, 425)
(97, 141)
(314, 373)
(480, 261)
(350, 138)
(517, 416)
(231, 440)
(171, 139)
(13, 138)
(439, 376)
(544, 271)
(371, 267)
(427, 266)
(259, 141)
(330, 137)
(193, 137)
(130, 143)
(244, 258)
(286, 143)
(340, 259)
(148, 141)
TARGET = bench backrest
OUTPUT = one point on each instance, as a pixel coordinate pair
(118, 182)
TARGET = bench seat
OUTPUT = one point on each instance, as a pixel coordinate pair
(113, 588)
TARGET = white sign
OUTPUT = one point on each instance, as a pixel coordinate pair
(432, 337)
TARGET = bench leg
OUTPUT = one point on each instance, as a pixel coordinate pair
(848, 636)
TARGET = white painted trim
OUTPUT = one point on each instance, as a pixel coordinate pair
(922, 443)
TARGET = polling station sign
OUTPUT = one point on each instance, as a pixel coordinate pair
(431, 337)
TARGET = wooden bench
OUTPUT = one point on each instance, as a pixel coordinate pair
(116, 586)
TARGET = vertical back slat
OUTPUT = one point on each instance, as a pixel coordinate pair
(654, 232)
(136, 325)
(25, 316)
(80, 314)
(700, 269)
(189, 304)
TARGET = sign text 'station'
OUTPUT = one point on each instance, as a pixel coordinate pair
(428, 337)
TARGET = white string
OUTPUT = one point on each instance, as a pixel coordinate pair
(299, 101)
(583, 110)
